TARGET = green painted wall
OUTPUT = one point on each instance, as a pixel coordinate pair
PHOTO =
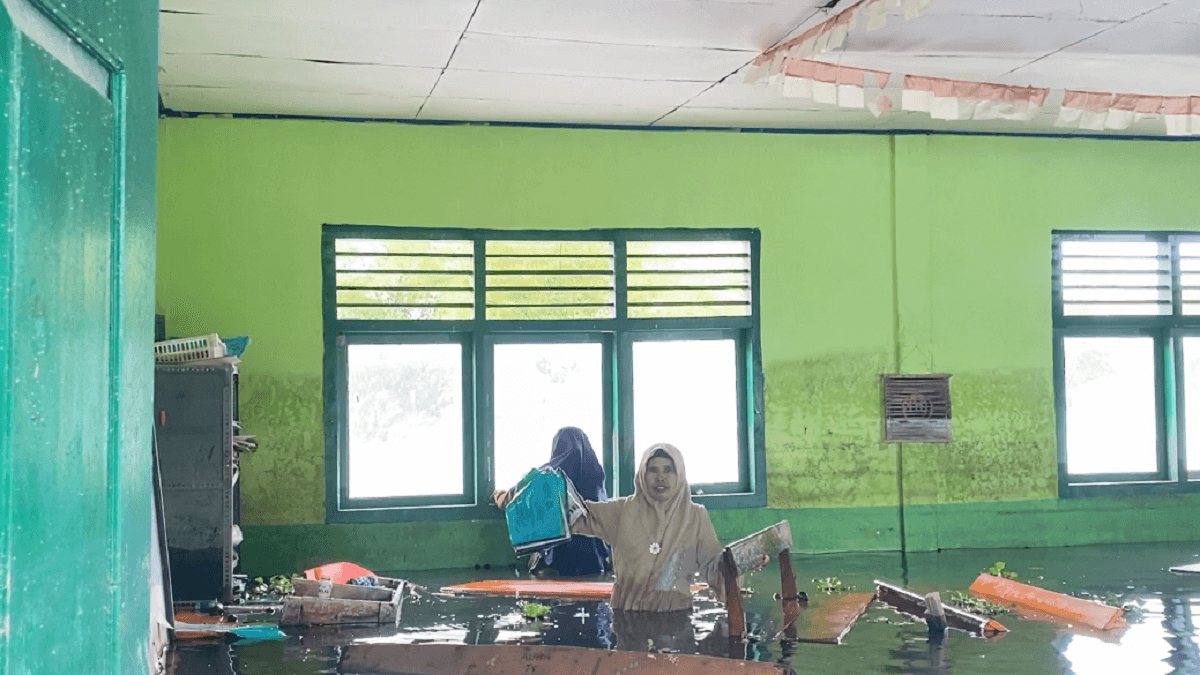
(880, 254)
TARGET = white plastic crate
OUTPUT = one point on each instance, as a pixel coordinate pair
(189, 349)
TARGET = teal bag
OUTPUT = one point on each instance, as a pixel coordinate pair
(537, 515)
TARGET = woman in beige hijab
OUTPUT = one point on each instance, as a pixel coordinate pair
(660, 538)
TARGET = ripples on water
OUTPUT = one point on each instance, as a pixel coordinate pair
(1163, 640)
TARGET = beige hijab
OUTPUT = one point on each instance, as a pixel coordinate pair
(658, 546)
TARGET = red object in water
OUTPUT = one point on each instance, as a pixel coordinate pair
(338, 572)
(541, 589)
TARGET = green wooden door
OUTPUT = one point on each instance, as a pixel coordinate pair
(74, 470)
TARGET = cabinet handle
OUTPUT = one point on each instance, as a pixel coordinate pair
(162, 418)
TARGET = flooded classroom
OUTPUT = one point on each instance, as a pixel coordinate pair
(600, 337)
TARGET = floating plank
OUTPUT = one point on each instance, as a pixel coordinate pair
(302, 611)
(828, 621)
(749, 552)
(914, 605)
(541, 590)
(1075, 610)
(1187, 569)
(396, 659)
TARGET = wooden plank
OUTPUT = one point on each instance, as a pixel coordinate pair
(750, 552)
(541, 590)
(399, 659)
(733, 597)
(914, 605)
(301, 611)
(306, 588)
(1076, 610)
(828, 620)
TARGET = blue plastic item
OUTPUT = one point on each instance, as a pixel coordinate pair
(234, 346)
(537, 515)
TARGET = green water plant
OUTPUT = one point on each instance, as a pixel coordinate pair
(976, 605)
(997, 570)
(1131, 610)
(534, 611)
(831, 585)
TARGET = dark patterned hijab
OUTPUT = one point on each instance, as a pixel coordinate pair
(573, 454)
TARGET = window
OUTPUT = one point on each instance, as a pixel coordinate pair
(453, 356)
(1127, 361)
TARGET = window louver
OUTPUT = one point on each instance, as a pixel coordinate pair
(405, 279)
(1189, 277)
(917, 409)
(550, 280)
(671, 279)
(1110, 278)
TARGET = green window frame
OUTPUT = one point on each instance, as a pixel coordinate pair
(608, 324)
(1094, 296)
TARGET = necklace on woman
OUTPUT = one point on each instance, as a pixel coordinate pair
(655, 548)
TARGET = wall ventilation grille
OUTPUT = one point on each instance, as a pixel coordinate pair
(917, 409)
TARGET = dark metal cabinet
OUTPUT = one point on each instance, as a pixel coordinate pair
(194, 420)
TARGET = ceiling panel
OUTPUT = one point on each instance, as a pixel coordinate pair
(204, 34)
(538, 111)
(559, 89)
(1145, 39)
(668, 23)
(1180, 11)
(564, 57)
(256, 101)
(968, 35)
(445, 15)
(292, 75)
(1093, 10)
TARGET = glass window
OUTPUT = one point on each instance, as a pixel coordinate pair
(685, 394)
(540, 388)
(405, 420)
(453, 356)
(1191, 397)
(1111, 416)
(1128, 384)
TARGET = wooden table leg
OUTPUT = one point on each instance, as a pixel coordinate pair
(733, 597)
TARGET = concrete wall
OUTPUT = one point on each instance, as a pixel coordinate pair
(880, 254)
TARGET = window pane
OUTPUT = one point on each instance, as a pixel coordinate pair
(685, 394)
(1191, 397)
(1111, 417)
(405, 432)
(540, 388)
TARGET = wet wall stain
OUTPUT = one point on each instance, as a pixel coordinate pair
(1004, 448)
(823, 433)
(283, 482)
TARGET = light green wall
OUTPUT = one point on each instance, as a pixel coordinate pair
(880, 254)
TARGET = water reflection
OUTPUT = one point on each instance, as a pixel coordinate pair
(1163, 640)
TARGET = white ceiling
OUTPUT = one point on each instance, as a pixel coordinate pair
(647, 62)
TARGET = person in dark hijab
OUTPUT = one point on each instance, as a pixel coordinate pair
(572, 453)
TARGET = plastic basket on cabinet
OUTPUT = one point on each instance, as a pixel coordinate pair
(189, 349)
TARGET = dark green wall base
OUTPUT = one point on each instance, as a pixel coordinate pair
(282, 549)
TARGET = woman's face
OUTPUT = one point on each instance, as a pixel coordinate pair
(661, 478)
